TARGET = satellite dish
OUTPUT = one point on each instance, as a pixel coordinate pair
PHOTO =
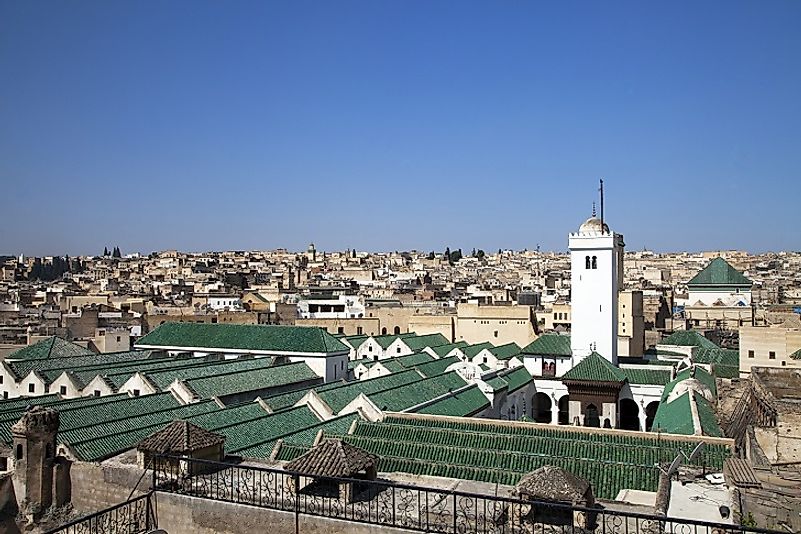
(674, 466)
(696, 452)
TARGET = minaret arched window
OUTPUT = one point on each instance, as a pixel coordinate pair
(587, 262)
(595, 262)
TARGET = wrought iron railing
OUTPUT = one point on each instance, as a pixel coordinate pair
(130, 517)
(396, 505)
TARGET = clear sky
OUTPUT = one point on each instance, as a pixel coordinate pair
(392, 125)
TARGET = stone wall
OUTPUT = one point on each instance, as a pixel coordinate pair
(96, 486)
(180, 514)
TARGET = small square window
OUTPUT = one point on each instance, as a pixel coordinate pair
(97, 393)
(136, 392)
(750, 353)
(772, 355)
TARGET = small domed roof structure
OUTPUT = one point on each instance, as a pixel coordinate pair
(691, 384)
(593, 225)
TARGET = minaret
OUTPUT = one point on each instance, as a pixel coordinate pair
(596, 264)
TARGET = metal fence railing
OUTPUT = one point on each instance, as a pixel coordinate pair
(408, 507)
(130, 517)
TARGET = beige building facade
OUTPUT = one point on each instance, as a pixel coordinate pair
(769, 346)
(476, 323)
(630, 324)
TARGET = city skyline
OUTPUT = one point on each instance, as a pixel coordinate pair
(393, 127)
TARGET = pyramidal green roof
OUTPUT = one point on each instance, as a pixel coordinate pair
(243, 337)
(688, 338)
(49, 347)
(721, 274)
(595, 368)
(549, 345)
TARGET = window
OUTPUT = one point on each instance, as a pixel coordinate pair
(1, 379)
(341, 330)
(5, 394)
(136, 392)
(358, 330)
(750, 353)
(784, 363)
(496, 333)
(342, 365)
(213, 319)
(97, 393)
(118, 339)
(554, 316)
(397, 350)
(63, 390)
(595, 262)
(587, 262)
(772, 355)
(19, 451)
(31, 388)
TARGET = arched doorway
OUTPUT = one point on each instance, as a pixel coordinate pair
(564, 410)
(591, 416)
(542, 408)
(629, 415)
(650, 413)
(384, 331)
(397, 330)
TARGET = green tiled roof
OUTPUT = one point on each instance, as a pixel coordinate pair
(162, 378)
(658, 377)
(356, 341)
(98, 441)
(418, 343)
(414, 359)
(241, 436)
(303, 437)
(516, 378)
(50, 347)
(471, 350)
(506, 352)
(720, 356)
(251, 380)
(272, 338)
(675, 417)
(53, 367)
(118, 375)
(595, 368)
(392, 365)
(496, 451)
(549, 345)
(719, 273)
(688, 338)
(706, 416)
(699, 373)
(386, 341)
(497, 383)
(404, 397)
(437, 367)
(342, 394)
(460, 404)
(796, 355)
(442, 350)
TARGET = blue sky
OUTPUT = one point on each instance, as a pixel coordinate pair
(387, 125)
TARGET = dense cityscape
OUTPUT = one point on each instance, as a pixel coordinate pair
(384, 267)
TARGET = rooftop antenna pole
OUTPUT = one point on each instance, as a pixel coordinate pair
(602, 204)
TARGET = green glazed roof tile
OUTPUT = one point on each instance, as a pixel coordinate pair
(595, 368)
(719, 273)
(274, 338)
(549, 345)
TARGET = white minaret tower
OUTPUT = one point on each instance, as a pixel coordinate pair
(596, 266)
